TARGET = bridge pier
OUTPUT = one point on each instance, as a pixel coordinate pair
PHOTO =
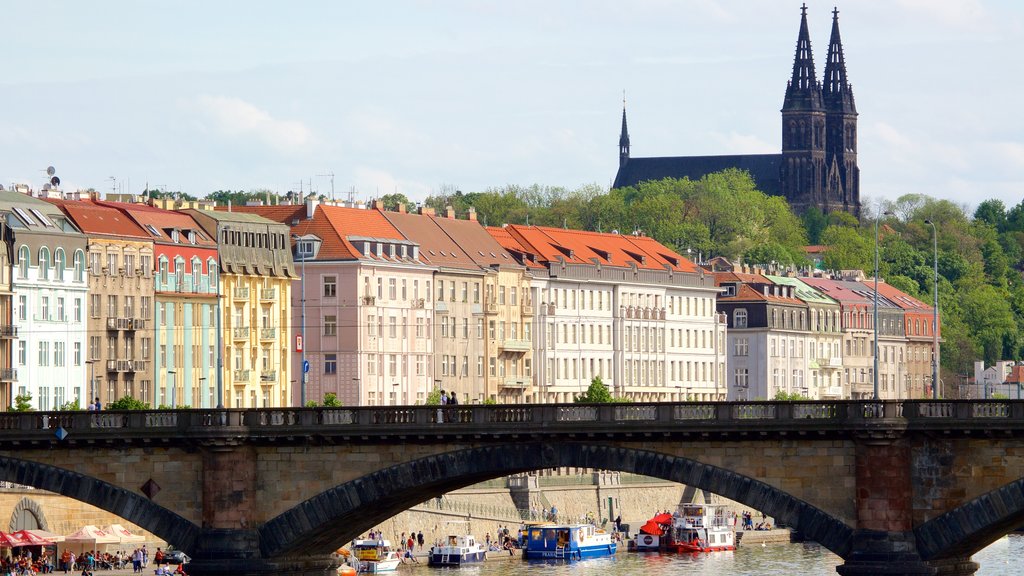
(881, 553)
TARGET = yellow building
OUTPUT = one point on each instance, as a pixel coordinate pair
(257, 272)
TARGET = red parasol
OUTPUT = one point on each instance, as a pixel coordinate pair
(11, 540)
(31, 539)
(652, 528)
(663, 518)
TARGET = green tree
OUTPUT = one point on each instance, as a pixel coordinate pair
(783, 396)
(848, 249)
(992, 212)
(70, 406)
(331, 400)
(815, 222)
(596, 393)
(128, 403)
(23, 403)
(434, 398)
(391, 201)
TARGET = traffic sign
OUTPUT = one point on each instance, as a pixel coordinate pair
(305, 366)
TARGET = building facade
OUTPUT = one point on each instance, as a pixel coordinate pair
(49, 293)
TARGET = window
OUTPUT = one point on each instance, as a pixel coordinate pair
(78, 354)
(144, 302)
(22, 307)
(44, 353)
(739, 318)
(22, 352)
(742, 346)
(330, 363)
(392, 289)
(44, 263)
(392, 327)
(78, 309)
(60, 309)
(61, 263)
(23, 262)
(330, 325)
(476, 293)
(58, 353)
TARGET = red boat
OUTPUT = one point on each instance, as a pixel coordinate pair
(702, 528)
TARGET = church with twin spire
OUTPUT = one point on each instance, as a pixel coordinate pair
(818, 163)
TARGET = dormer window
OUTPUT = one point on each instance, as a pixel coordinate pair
(175, 236)
(191, 236)
(739, 318)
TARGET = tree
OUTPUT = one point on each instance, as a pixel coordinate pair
(391, 201)
(128, 403)
(992, 212)
(434, 398)
(23, 403)
(331, 400)
(596, 393)
(70, 406)
(815, 223)
(848, 249)
(783, 396)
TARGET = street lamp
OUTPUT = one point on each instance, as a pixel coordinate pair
(302, 327)
(174, 378)
(875, 397)
(198, 392)
(92, 378)
(935, 314)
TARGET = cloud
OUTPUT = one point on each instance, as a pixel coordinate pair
(235, 118)
(374, 182)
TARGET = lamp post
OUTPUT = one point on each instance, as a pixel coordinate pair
(92, 377)
(218, 329)
(875, 374)
(174, 378)
(302, 324)
(935, 313)
(199, 388)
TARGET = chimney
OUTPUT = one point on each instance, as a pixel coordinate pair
(401, 207)
(378, 205)
(311, 204)
(471, 214)
(449, 212)
(426, 211)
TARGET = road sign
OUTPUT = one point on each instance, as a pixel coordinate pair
(305, 366)
(298, 342)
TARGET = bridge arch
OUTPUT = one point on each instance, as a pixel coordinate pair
(132, 507)
(336, 515)
(972, 526)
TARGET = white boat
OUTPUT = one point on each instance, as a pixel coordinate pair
(374, 556)
(703, 528)
(458, 550)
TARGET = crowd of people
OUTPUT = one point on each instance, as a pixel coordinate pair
(25, 564)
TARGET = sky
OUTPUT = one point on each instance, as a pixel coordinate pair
(416, 96)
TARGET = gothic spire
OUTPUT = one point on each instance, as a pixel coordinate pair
(836, 90)
(803, 91)
(624, 135)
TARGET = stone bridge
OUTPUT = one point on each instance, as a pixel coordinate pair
(911, 487)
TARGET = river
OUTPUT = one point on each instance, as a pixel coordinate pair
(1004, 558)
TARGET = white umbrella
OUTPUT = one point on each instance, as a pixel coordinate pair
(91, 535)
(123, 534)
(51, 536)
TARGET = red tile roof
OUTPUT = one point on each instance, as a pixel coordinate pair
(837, 290)
(436, 247)
(161, 220)
(581, 247)
(283, 213)
(750, 288)
(898, 297)
(96, 219)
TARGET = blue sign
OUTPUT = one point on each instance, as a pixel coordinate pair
(305, 366)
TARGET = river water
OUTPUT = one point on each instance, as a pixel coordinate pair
(1004, 558)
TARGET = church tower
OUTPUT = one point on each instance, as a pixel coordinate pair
(802, 174)
(843, 190)
(623, 138)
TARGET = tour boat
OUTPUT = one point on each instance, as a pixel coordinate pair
(374, 556)
(703, 528)
(567, 542)
(457, 551)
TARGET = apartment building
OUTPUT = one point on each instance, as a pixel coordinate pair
(49, 289)
(368, 305)
(8, 329)
(918, 320)
(254, 277)
(119, 254)
(624, 308)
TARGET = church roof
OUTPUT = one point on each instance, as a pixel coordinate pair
(763, 168)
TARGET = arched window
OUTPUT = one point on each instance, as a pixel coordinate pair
(24, 259)
(212, 270)
(739, 318)
(59, 261)
(79, 266)
(179, 274)
(197, 272)
(44, 263)
(163, 272)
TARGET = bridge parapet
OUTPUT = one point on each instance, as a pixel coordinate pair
(619, 420)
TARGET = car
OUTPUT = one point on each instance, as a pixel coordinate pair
(176, 557)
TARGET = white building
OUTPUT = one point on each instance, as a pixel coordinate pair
(624, 308)
(49, 288)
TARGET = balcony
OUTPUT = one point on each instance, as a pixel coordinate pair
(240, 293)
(510, 345)
(240, 376)
(8, 331)
(8, 375)
(527, 307)
(417, 303)
(120, 366)
(240, 332)
(268, 333)
(268, 294)
(140, 365)
(111, 323)
(441, 307)
(830, 362)
(521, 383)
(268, 376)
(491, 307)
(138, 324)
(125, 324)
(369, 300)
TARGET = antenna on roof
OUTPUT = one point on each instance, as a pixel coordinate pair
(331, 176)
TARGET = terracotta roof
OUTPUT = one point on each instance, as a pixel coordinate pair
(840, 290)
(283, 213)
(898, 297)
(95, 219)
(158, 222)
(436, 247)
(1016, 375)
(481, 247)
(513, 246)
(582, 247)
(750, 288)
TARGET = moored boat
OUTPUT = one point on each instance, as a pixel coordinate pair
(703, 528)
(374, 556)
(458, 550)
(567, 542)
